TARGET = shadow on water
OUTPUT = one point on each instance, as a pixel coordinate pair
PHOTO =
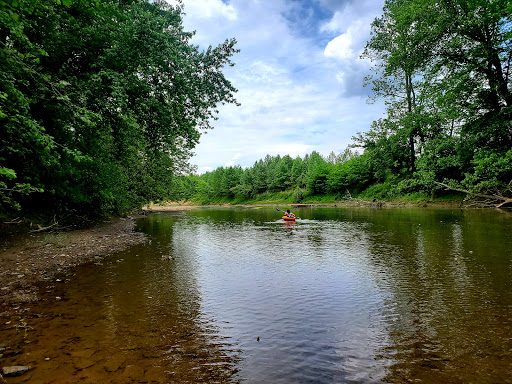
(236, 295)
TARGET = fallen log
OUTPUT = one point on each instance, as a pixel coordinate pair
(42, 229)
(493, 198)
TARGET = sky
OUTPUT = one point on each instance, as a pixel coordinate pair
(298, 74)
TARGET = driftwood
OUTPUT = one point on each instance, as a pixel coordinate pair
(14, 221)
(490, 200)
(373, 204)
(42, 229)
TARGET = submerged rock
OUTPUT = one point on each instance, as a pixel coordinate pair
(16, 370)
(134, 372)
(83, 363)
(114, 363)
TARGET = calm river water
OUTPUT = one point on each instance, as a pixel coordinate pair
(344, 295)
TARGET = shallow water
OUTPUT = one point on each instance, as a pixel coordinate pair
(344, 295)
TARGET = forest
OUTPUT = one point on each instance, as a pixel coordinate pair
(103, 102)
(443, 68)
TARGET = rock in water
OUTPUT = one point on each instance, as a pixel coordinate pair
(16, 370)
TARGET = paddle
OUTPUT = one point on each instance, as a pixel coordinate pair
(297, 217)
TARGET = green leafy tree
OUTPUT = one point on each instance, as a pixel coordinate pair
(230, 179)
(353, 175)
(245, 188)
(298, 172)
(317, 174)
(402, 48)
(443, 69)
(281, 173)
(103, 102)
(259, 176)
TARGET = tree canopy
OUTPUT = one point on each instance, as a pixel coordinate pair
(101, 102)
(443, 67)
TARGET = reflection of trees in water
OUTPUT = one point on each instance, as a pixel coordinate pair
(447, 311)
(447, 317)
(173, 328)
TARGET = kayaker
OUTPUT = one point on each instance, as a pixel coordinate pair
(289, 214)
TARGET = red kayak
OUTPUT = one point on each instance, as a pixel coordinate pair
(286, 218)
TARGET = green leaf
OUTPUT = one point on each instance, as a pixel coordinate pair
(9, 173)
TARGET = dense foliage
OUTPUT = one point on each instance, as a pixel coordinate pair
(443, 68)
(101, 102)
(312, 175)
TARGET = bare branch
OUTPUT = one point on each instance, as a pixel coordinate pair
(490, 199)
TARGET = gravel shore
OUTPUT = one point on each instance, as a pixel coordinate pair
(26, 259)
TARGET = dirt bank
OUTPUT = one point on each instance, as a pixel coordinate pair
(28, 258)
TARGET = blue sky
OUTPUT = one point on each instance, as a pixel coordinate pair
(298, 75)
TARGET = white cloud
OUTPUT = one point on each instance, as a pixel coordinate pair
(210, 9)
(352, 21)
(339, 47)
(300, 83)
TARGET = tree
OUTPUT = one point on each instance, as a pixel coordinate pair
(317, 174)
(230, 179)
(444, 71)
(259, 176)
(104, 102)
(402, 47)
(245, 187)
(281, 173)
(298, 172)
(475, 65)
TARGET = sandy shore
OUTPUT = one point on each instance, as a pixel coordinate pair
(169, 207)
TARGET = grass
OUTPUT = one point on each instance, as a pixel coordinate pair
(379, 192)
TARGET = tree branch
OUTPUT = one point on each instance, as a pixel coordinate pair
(504, 200)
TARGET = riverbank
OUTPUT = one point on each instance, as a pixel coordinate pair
(173, 206)
(28, 258)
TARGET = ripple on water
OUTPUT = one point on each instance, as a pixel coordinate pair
(346, 296)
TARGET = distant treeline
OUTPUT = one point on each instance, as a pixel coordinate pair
(313, 176)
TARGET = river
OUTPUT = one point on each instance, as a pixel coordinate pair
(236, 295)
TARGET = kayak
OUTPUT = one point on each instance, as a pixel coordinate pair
(286, 218)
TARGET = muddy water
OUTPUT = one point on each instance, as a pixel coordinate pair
(236, 295)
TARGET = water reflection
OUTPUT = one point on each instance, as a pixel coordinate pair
(136, 317)
(236, 295)
(291, 297)
(446, 324)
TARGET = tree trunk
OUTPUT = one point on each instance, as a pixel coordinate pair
(412, 154)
